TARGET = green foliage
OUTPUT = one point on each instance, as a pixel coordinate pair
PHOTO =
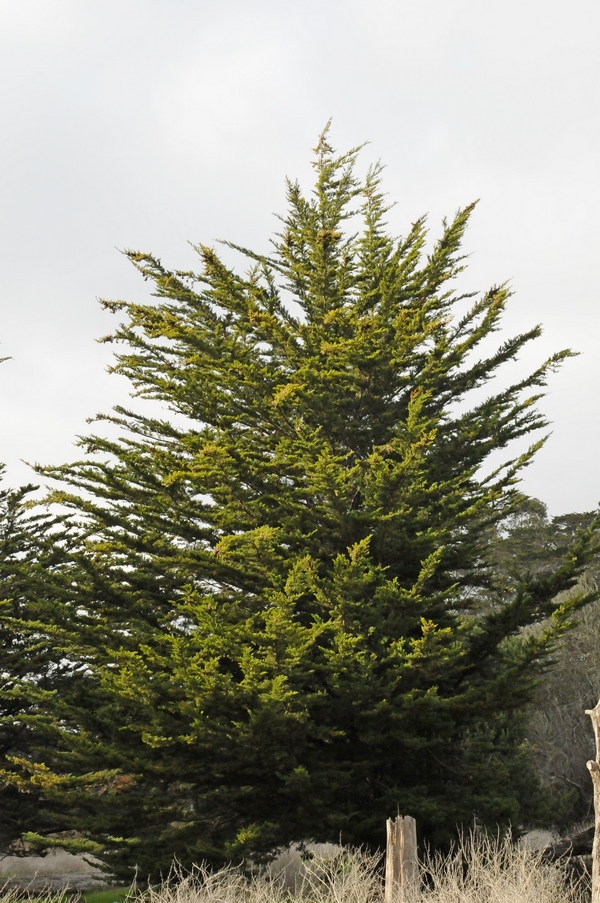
(531, 542)
(284, 600)
(31, 670)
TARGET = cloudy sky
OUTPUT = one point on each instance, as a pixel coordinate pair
(150, 124)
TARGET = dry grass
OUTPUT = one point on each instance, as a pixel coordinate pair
(488, 870)
(348, 876)
(10, 894)
(480, 870)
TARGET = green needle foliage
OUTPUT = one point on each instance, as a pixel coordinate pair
(27, 666)
(284, 604)
(32, 670)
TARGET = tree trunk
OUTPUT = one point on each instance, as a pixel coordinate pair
(594, 767)
(401, 863)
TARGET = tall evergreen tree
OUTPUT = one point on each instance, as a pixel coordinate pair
(284, 595)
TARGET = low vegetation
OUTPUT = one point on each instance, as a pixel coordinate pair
(106, 895)
(480, 869)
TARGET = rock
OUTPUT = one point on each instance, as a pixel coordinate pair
(57, 870)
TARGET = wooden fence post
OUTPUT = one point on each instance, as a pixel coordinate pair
(594, 767)
(401, 863)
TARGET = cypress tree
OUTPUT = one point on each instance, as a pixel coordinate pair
(285, 604)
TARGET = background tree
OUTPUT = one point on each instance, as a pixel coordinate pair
(558, 729)
(560, 736)
(283, 601)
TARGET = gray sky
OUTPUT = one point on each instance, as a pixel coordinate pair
(149, 124)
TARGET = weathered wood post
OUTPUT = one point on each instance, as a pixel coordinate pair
(594, 767)
(401, 862)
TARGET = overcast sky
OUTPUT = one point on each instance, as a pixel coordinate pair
(149, 124)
